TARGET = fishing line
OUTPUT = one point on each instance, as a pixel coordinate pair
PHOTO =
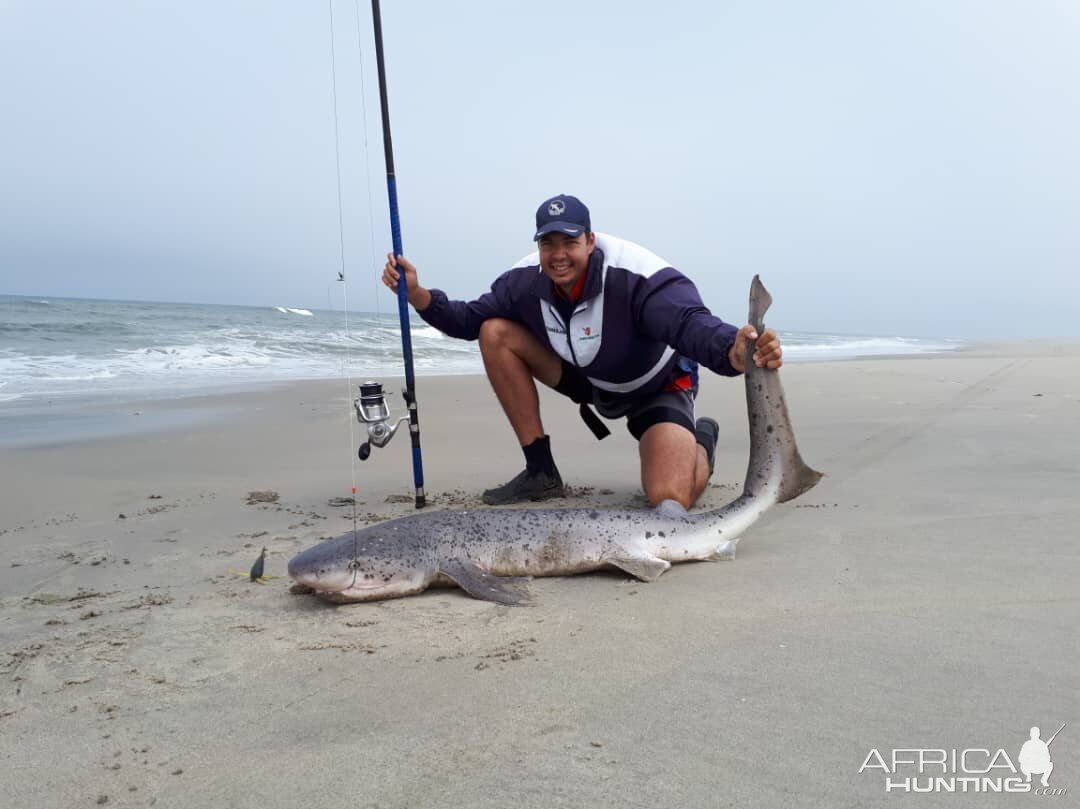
(367, 165)
(344, 288)
(383, 434)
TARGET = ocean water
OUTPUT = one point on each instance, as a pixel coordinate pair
(58, 348)
(68, 347)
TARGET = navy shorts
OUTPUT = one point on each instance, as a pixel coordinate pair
(666, 406)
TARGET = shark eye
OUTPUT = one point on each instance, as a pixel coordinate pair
(354, 565)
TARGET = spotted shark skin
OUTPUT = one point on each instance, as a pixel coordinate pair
(489, 553)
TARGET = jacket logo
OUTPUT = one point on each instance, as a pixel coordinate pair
(587, 333)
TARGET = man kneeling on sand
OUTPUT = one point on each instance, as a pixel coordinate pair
(610, 325)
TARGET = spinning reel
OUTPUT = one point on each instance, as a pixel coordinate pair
(372, 410)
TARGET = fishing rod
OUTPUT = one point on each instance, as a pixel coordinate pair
(371, 407)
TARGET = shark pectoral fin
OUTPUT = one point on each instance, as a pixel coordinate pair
(478, 583)
(644, 567)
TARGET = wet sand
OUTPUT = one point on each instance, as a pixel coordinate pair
(922, 595)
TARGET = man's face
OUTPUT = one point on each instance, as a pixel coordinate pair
(564, 258)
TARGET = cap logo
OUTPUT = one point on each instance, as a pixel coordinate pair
(556, 208)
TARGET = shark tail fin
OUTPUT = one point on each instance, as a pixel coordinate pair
(760, 301)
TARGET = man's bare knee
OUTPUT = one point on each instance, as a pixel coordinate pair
(499, 335)
(495, 331)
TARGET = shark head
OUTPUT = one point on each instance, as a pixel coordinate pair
(366, 566)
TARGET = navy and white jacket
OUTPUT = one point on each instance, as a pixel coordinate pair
(636, 316)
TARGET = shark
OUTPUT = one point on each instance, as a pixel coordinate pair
(491, 553)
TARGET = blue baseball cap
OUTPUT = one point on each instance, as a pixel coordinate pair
(562, 214)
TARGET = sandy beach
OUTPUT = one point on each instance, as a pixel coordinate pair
(923, 595)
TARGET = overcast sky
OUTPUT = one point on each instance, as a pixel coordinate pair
(905, 168)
